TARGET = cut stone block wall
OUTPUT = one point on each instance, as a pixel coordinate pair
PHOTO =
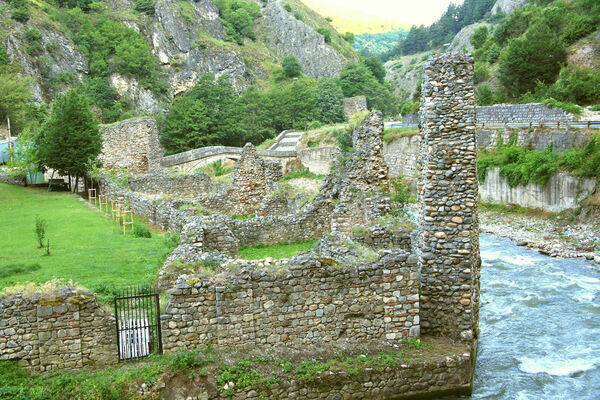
(307, 303)
(65, 329)
(524, 113)
(448, 237)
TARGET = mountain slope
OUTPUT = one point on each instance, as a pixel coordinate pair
(133, 62)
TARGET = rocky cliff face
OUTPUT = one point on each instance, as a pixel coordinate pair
(290, 36)
(186, 36)
(508, 6)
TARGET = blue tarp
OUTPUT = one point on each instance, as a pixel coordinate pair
(3, 155)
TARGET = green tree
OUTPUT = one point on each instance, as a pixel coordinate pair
(357, 79)
(293, 105)
(15, 95)
(23, 157)
(479, 37)
(536, 57)
(349, 37)
(70, 138)
(376, 67)
(256, 116)
(326, 34)
(291, 67)
(207, 115)
(329, 101)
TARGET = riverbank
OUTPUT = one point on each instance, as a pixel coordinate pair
(554, 235)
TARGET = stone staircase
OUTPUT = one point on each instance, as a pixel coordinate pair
(287, 141)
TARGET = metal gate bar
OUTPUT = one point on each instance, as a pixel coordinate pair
(137, 319)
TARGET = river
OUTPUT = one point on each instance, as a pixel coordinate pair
(539, 325)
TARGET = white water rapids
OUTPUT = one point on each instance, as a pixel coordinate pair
(539, 325)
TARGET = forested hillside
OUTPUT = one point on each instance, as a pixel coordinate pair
(210, 72)
(548, 51)
(377, 44)
(422, 38)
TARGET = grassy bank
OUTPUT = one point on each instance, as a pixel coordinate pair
(277, 251)
(85, 246)
(214, 368)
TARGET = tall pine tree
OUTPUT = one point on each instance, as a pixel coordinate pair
(70, 138)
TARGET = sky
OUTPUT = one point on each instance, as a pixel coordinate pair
(410, 12)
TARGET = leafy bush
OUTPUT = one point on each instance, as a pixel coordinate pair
(570, 107)
(20, 14)
(326, 34)
(314, 125)
(400, 194)
(291, 67)
(171, 240)
(480, 73)
(4, 60)
(479, 37)
(183, 360)
(145, 6)
(141, 231)
(484, 96)
(238, 18)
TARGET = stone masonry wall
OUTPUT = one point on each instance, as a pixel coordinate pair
(132, 144)
(536, 138)
(354, 105)
(532, 112)
(448, 237)
(307, 303)
(62, 330)
(176, 185)
(448, 375)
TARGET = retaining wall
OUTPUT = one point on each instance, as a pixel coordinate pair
(532, 112)
(450, 375)
(307, 303)
(401, 156)
(561, 192)
(535, 138)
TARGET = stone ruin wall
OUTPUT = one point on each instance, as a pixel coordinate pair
(448, 235)
(354, 105)
(133, 144)
(62, 330)
(311, 300)
(165, 183)
(307, 303)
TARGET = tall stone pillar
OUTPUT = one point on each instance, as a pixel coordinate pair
(448, 237)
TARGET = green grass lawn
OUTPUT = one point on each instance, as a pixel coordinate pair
(277, 251)
(85, 246)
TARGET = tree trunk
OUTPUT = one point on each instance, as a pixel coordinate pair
(10, 140)
(70, 188)
(50, 184)
(76, 184)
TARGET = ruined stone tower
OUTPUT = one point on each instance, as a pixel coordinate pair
(448, 237)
